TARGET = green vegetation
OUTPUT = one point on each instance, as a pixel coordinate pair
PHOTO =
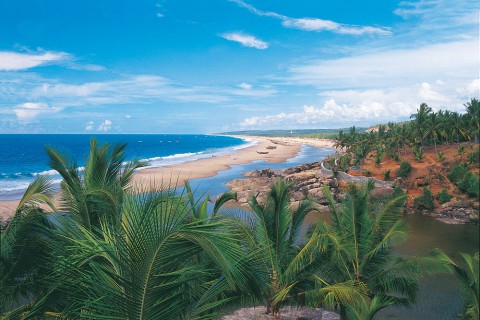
(443, 196)
(426, 200)
(365, 232)
(299, 133)
(386, 175)
(427, 128)
(469, 284)
(465, 180)
(418, 153)
(404, 170)
(114, 252)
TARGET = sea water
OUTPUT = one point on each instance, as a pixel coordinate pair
(23, 156)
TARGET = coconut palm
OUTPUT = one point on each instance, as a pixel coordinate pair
(158, 265)
(97, 192)
(469, 283)
(22, 253)
(285, 260)
(473, 116)
(153, 255)
(432, 128)
(367, 231)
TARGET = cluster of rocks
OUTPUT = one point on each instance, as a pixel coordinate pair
(458, 212)
(306, 179)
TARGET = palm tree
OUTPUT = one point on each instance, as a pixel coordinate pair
(96, 193)
(468, 277)
(22, 252)
(285, 261)
(432, 128)
(367, 231)
(158, 265)
(420, 118)
(154, 255)
(473, 116)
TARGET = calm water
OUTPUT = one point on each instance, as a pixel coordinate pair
(438, 297)
(23, 156)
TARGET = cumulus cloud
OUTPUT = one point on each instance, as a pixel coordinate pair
(105, 126)
(28, 111)
(89, 126)
(473, 88)
(18, 61)
(315, 24)
(245, 40)
(330, 114)
(362, 107)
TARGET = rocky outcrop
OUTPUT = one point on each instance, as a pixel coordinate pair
(458, 212)
(308, 180)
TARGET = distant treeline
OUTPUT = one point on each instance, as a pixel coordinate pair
(303, 133)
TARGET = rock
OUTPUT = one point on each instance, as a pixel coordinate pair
(382, 192)
(462, 204)
(333, 183)
(318, 195)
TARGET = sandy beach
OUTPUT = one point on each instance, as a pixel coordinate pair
(271, 150)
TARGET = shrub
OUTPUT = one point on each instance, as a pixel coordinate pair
(443, 196)
(368, 173)
(471, 185)
(457, 173)
(473, 157)
(440, 155)
(398, 191)
(426, 200)
(386, 175)
(418, 154)
(404, 170)
(461, 149)
(465, 180)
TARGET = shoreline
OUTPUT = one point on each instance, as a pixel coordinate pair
(176, 174)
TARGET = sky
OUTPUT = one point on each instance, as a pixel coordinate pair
(189, 66)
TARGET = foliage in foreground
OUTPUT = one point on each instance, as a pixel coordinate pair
(365, 233)
(120, 253)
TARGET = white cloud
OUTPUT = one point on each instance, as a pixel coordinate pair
(105, 126)
(330, 114)
(245, 86)
(315, 24)
(455, 61)
(19, 61)
(473, 88)
(128, 116)
(245, 40)
(135, 89)
(11, 61)
(89, 126)
(427, 94)
(28, 111)
(363, 107)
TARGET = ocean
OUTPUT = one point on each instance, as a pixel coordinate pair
(23, 156)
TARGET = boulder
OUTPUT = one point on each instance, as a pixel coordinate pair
(382, 192)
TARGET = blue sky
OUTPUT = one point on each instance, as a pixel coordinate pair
(178, 66)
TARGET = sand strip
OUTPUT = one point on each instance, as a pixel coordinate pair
(271, 150)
